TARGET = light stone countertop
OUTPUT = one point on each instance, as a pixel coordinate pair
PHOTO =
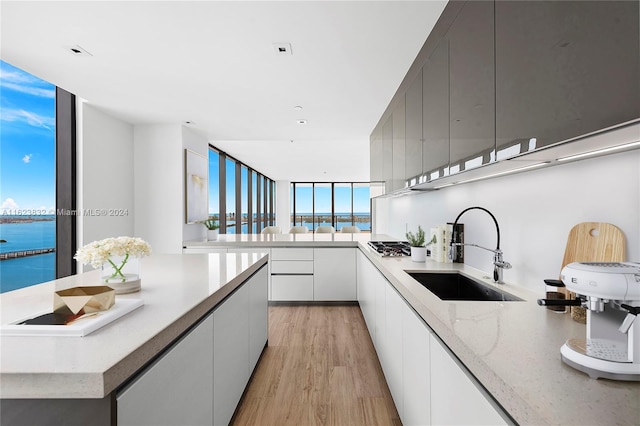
(287, 240)
(177, 291)
(512, 348)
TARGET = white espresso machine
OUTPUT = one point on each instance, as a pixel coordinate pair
(611, 294)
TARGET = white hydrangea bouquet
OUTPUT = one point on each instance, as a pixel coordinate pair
(113, 252)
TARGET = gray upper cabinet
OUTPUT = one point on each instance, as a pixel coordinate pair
(413, 129)
(375, 157)
(387, 153)
(564, 69)
(398, 171)
(472, 86)
(435, 112)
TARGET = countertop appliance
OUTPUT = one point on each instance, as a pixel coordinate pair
(391, 248)
(610, 291)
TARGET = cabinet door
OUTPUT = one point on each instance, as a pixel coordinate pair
(435, 114)
(296, 288)
(413, 132)
(392, 348)
(398, 171)
(455, 399)
(334, 274)
(231, 354)
(177, 388)
(416, 380)
(564, 69)
(472, 86)
(258, 315)
(366, 275)
(387, 153)
(375, 157)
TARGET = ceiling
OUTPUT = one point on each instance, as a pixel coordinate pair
(213, 63)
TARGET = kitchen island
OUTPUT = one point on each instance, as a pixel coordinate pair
(81, 380)
(510, 350)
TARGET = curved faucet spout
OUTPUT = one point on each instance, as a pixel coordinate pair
(498, 262)
(488, 212)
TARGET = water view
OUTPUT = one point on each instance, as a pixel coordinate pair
(19, 237)
(27, 173)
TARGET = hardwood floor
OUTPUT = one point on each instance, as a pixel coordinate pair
(320, 368)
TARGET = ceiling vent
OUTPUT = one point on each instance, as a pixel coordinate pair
(282, 49)
(78, 51)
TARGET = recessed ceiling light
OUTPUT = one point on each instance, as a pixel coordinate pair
(282, 49)
(77, 50)
(301, 121)
(297, 108)
(188, 122)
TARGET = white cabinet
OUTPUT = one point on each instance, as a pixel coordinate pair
(416, 383)
(230, 354)
(334, 274)
(427, 385)
(392, 348)
(366, 274)
(177, 388)
(291, 274)
(455, 398)
(258, 315)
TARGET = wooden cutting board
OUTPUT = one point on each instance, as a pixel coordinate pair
(593, 242)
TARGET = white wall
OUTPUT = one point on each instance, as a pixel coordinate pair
(105, 176)
(283, 205)
(535, 211)
(196, 143)
(159, 206)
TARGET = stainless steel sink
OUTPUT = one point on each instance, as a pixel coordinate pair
(455, 286)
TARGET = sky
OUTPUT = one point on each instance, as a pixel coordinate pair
(27, 141)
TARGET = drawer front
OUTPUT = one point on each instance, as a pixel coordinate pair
(292, 287)
(291, 254)
(291, 267)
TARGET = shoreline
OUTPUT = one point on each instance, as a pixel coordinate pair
(28, 219)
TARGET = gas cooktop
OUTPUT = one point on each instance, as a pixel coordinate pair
(391, 248)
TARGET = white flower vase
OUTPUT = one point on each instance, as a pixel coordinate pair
(212, 234)
(418, 254)
(122, 275)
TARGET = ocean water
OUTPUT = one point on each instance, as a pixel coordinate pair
(26, 271)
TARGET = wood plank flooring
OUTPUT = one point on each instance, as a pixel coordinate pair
(320, 368)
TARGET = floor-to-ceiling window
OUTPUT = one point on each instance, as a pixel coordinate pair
(237, 195)
(322, 205)
(254, 202)
(303, 205)
(244, 199)
(343, 205)
(37, 172)
(214, 184)
(362, 206)
(230, 182)
(337, 204)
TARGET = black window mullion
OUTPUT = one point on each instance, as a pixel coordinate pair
(223, 192)
(65, 182)
(238, 205)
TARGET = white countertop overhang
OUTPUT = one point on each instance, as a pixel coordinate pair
(178, 290)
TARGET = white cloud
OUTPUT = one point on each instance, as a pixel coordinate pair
(28, 117)
(30, 90)
(25, 83)
(9, 204)
(27, 158)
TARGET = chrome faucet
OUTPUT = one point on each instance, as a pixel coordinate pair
(499, 263)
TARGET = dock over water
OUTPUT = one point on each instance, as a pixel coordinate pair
(25, 253)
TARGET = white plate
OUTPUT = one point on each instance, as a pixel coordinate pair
(78, 328)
